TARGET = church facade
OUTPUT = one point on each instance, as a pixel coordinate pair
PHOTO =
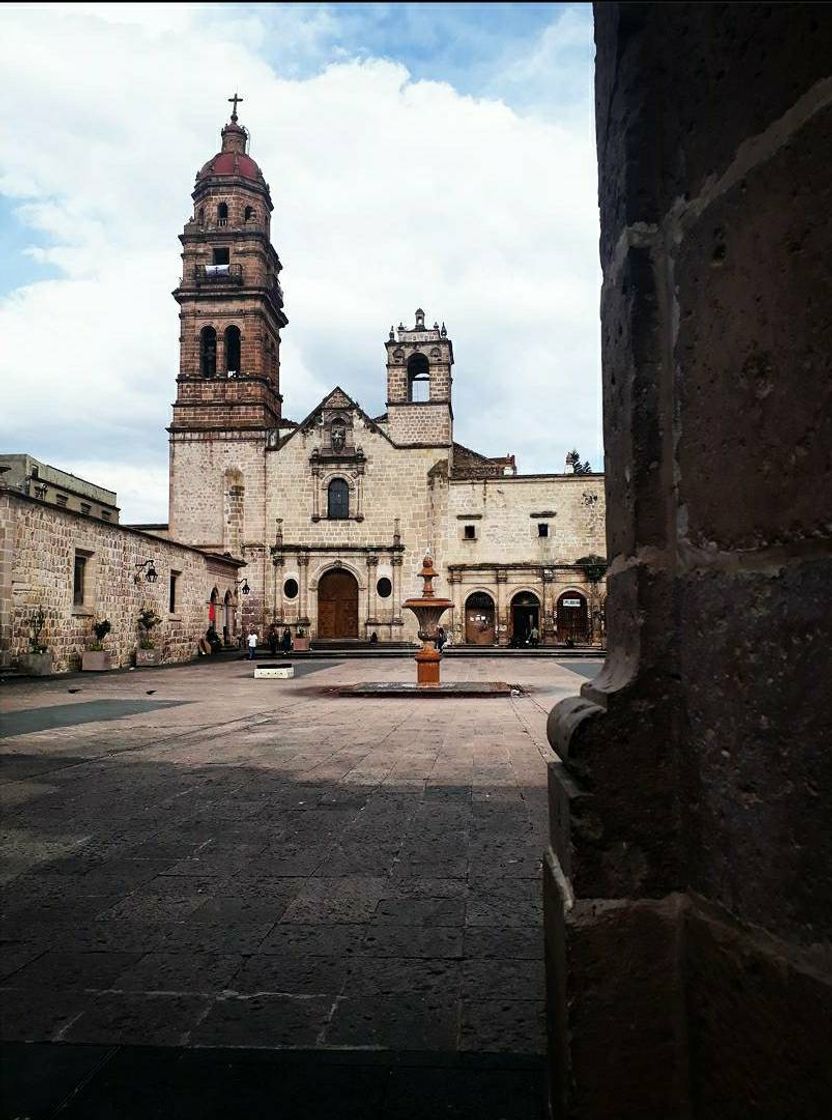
(334, 513)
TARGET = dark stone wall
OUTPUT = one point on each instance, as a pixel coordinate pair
(688, 891)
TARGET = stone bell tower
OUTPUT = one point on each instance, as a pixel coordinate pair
(228, 389)
(419, 361)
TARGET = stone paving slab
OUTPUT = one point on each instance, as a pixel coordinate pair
(267, 869)
(93, 1082)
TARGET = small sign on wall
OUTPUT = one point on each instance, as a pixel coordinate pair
(571, 602)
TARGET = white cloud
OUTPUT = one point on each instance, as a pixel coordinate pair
(388, 194)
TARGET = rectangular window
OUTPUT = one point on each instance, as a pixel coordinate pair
(542, 529)
(222, 256)
(61, 499)
(85, 508)
(174, 576)
(470, 532)
(79, 580)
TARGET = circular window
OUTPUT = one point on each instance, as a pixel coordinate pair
(384, 587)
(290, 588)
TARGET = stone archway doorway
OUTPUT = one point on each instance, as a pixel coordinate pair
(338, 605)
(525, 614)
(213, 603)
(479, 619)
(573, 618)
(229, 622)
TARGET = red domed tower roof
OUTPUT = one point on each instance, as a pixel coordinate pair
(232, 160)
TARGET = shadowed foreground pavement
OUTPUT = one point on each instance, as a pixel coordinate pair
(237, 893)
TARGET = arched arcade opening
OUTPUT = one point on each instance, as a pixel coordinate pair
(480, 629)
(572, 618)
(525, 618)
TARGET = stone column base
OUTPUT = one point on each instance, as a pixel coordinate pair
(668, 1009)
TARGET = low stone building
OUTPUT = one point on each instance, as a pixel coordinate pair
(73, 570)
(29, 475)
(334, 514)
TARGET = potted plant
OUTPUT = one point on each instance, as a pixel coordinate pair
(38, 661)
(301, 642)
(594, 569)
(97, 659)
(147, 653)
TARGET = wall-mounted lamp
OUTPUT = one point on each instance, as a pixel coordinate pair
(151, 575)
(246, 590)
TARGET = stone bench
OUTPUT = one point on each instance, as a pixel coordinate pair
(280, 671)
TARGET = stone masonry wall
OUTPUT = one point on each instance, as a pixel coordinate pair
(38, 544)
(200, 464)
(687, 894)
(506, 512)
(420, 423)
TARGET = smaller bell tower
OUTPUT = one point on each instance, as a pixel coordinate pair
(419, 361)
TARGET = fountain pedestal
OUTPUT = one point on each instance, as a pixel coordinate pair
(428, 610)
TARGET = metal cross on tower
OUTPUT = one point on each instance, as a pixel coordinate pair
(234, 99)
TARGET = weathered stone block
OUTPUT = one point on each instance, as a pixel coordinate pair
(616, 1006)
(754, 379)
(759, 1028)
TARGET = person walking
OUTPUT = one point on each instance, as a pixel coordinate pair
(251, 642)
(534, 635)
(286, 641)
(273, 639)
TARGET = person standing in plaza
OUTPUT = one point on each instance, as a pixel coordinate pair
(252, 641)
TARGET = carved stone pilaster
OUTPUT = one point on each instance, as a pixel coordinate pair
(277, 576)
(316, 492)
(396, 562)
(457, 618)
(303, 604)
(501, 576)
(547, 623)
(372, 593)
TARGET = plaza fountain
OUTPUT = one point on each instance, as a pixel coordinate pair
(428, 610)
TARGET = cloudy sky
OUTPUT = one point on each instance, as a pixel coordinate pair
(434, 155)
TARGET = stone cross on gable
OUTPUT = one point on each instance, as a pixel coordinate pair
(234, 100)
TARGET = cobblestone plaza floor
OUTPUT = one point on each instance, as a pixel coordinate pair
(193, 860)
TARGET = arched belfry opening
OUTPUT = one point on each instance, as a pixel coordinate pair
(233, 343)
(418, 378)
(208, 352)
